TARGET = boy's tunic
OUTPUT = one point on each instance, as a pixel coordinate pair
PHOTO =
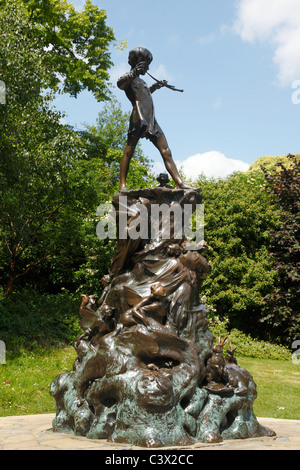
(142, 119)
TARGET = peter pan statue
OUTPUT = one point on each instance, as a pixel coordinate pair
(142, 119)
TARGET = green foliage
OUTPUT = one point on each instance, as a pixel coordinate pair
(238, 217)
(26, 377)
(282, 302)
(73, 46)
(29, 317)
(52, 179)
(278, 393)
(107, 139)
(246, 345)
(269, 162)
(103, 147)
(37, 154)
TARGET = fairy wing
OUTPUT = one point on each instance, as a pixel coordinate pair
(132, 296)
(88, 318)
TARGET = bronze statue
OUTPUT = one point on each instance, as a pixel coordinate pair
(147, 371)
(143, 123)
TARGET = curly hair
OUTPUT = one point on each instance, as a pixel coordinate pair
(137, 54)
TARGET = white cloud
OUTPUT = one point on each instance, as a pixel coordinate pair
(158, 167)
(174, 39)
(205, 39)
(217, 102)
(277, 22)
(161, 73)
(212, 164)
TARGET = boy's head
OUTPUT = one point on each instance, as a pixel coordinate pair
(139, 54)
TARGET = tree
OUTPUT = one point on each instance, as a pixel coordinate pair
(269, 162)
(37, 154)
(73, 46)
(238, 217)
(52, 179)
(44, 173)
(107, 139)
(283, 184)
(103, 148)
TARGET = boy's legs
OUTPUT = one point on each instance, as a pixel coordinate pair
(124, 166)
(132, 140)
(162, 145)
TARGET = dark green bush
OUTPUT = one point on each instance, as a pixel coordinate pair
(30, 317)
(238, 217)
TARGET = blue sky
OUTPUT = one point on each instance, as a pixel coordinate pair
(237, 61)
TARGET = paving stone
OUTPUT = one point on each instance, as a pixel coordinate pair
(34, 432)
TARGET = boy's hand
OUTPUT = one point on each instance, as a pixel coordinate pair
(141, 68)
(157, 86)
(162, 83)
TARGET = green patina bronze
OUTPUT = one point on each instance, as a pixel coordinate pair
(148, 371)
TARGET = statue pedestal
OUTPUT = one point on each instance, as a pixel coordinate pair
(148, 372)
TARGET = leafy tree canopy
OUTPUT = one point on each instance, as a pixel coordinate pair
(37, 154)
(73, 45)
(283, 304)
(238, 215)
(269, 162)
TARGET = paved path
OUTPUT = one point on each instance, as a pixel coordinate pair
(34, 433)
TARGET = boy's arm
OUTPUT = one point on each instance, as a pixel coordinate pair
(126, 79)
(154, 87)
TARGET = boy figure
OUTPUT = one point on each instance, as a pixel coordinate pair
(142, 120)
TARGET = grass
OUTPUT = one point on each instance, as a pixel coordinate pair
(278, 387)
(25, 382)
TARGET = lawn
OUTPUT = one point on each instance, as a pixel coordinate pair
(278, 387)
(25, 382)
